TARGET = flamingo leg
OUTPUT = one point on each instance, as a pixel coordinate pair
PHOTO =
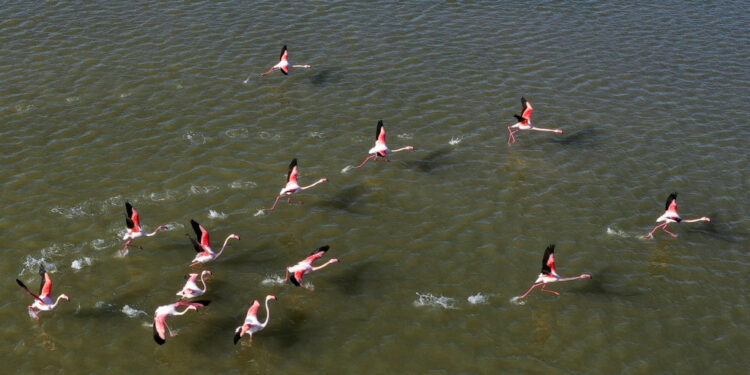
(366, 159)
(529, 291)
(275, 202)
(511, 136)
(664, 228)
(33, 313)
(651, 235)
(549, 291)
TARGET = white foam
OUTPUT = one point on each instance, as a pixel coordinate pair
(131, 312)
(79, 263)
(239, 184)
(101, 305)
(347, 169)
(455, 141)
(616, 232)
(273, 280)
(260, 212)
(195, 189)
(32, 264)
(72, 99)
(69, 213)
(268, 136)
(315, 134)
(434, 301)
(216, 214)
(477, 299)
(517, 300)
(237, 133)
(195, 138)
(99, 244)
(405, 136)
(163, 196)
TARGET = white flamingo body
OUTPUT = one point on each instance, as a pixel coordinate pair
(202, 244)
(284, 65)
(292, 186)
(191, 288)
(163, 312)
(524, 122)
(43, 301)
(549, 274)
(297, 271)
(671, 216)
(251, 324)
(133, 226)
(381, 149)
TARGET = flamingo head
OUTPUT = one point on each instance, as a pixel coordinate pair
(236, 237)
(334, 260)
(706, 218)
(585, 276)
(207, 272)
(65, 297)
(409, 147)
(323, 179)
(558, 131)
(270, 297)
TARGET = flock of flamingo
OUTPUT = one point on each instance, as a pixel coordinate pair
(43, 301)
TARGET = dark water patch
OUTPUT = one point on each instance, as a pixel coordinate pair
(346, 199)
(584, 137)
(432, 161)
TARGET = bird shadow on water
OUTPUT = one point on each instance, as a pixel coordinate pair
(287, 334)
(599, 284)
(321, 78)
(583, 137)
(346, 198)
(350, 281)
(429, 163)
(711, 229)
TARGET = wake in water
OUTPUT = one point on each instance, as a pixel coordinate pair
(623, 234)
(433, 301)
(477, 299)
(273, 280)
(455, 141)
(260, 212)
(79, 263)
(517, 300)
(131, 312)
(216, 215)
(347, 169)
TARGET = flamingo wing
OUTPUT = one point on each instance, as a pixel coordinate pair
(238, 334)
(296, 278)
(548, 262)
(160, 334)
(46, 286)
(671, 202)
(526, 109)
(22, 285)
(291, 176)
(284, 53)
(132, 220)
(380, 132)
(201, 234)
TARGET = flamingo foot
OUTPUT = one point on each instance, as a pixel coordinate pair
(33, 314)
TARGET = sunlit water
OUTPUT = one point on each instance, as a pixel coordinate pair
(162, 104)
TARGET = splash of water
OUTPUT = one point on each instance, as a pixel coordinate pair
(79, 263)
(347, 169)
(216, 214)
(518, 301)
(131, 312)
(273, 280)
(455, 141)
(477, 299)
(260, 212)
(431, 300)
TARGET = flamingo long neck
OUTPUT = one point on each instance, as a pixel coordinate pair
(222, 248)
(183, 311)
(584, 276)
(695, 220)
(156, 231)
(57, 300)
(309, 186)
(204, 282)
(403, 149)
(323, 265)
(268, 314)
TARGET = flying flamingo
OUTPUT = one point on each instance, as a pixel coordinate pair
(295, 273)
(283, 65)
(43, 301)
(252, 324)
(381, 149)
(292, 186)
(203, 248)
(191, 289)
(671, 216)
(524, 121)
(133, 222)
(549, 275)
(163, 312)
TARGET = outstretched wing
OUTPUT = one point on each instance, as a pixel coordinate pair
(291, 176)
(671, 202)
(284, 53)
(22, 285)
(548, 262)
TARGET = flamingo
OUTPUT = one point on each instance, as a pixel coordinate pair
(43, 301)
(524, 122)
(133, 222)
(381, 149)
(191, 289)
(549, 274)
(252, 324)
(295, 273)
(203, 248)
(283, 64)
(292, 186)
(163, 312)
(671, 216)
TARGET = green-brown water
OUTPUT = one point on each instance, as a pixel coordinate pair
(103, 102)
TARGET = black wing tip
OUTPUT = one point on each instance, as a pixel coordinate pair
(519, 118)
(158, 338)
(672, 196)
(550, 248)
(203, 302)
(20, 283)
(129, 223)
(237, 336)
(322, 248)
(293, 163)
(293, 280)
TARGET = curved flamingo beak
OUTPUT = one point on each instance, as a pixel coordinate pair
(586, 276)
(235, 236)
(65, 297)
(324, 179)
